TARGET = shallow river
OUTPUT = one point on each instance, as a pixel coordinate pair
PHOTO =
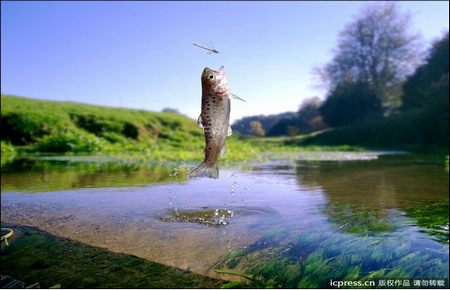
(294, 222)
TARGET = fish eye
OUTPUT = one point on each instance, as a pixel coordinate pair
(211, 77)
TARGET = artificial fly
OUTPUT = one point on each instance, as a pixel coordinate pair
(210, 50)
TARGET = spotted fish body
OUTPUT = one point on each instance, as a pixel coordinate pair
(214, 119)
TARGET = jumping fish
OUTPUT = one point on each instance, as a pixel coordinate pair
(214, 119)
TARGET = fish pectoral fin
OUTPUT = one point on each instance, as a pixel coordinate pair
(200, 122)
(230, 132)
(237, 97)
(223, 151)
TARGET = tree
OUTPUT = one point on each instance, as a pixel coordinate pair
(349, 104)
(436, 66)
(292, 131)
(427, 92)
(243, 125)
(377, 48)
(256, 129)
(280, 127)
(171, 110)
(435, 118)
(309, 116)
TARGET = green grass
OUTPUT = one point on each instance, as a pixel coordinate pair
(66, 127)
(38, 126)
(8, 152)
(25, 121)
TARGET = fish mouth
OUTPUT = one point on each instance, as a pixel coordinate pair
(221, 93)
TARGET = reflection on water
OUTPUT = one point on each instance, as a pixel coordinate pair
(288, 224)
(27, 175)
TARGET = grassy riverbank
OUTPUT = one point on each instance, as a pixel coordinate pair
(38, 126)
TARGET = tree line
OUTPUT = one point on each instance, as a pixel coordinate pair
(379, 70)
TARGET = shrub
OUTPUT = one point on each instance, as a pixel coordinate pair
(22, 129)
(8, 152)
(70, 141)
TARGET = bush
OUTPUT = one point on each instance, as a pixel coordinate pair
(23, 129)
(8, 152)
(351, 103)
(70, 141)
(115, 138)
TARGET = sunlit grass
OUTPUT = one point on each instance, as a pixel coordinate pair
(38, 126)
(8, 152)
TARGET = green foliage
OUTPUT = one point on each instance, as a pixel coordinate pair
(25, 121)
(356, 109)
(427, 91)
(378, 48)
(8, 153)
(280, 128)
(406, 130)
(256, 129)
(434, 116)
(126, 134)
(242, 126)
(307, 119)
(351, 103)
(416, 88)
(70, 141)
(234, 285)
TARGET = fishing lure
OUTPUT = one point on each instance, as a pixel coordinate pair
(210, 50)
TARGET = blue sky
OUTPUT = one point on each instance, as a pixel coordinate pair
(140, 54)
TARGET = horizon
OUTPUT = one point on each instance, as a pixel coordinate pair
(140, 55)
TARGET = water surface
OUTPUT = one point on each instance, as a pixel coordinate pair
(287, 222)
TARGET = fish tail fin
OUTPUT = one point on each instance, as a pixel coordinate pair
(203, 170)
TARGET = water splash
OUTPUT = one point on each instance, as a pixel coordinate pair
(210, 217)
(181, 167)
(235, 184)
(172, 201)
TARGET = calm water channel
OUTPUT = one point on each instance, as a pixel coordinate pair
(287, 222)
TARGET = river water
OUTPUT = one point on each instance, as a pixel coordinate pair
(288, 222)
